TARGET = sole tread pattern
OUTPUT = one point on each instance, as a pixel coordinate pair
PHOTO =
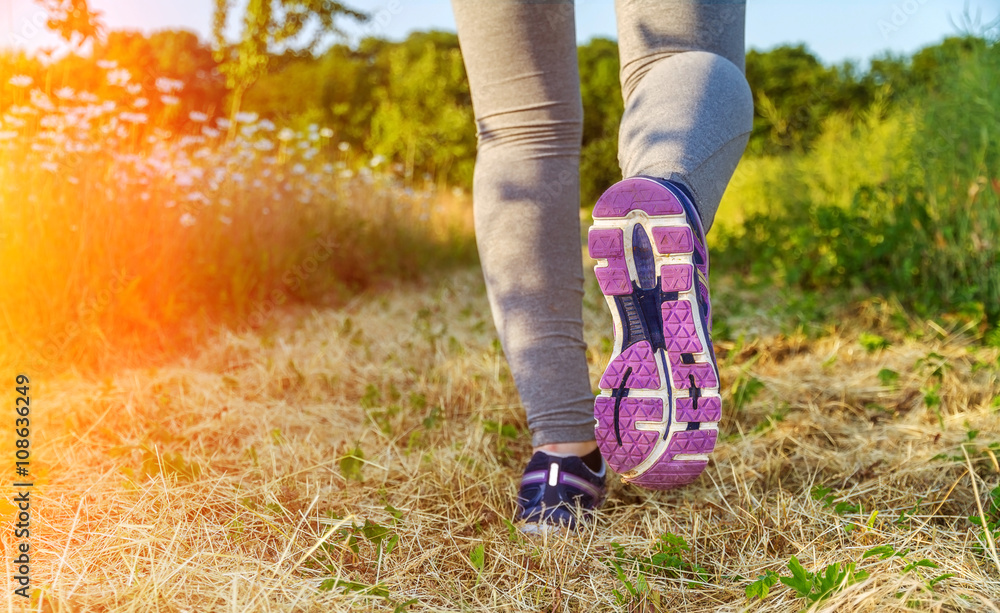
(658, 435)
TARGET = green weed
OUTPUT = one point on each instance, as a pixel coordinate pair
(351, 464)
(383, 539)
(744, 390)
(990, 530)
(813, 587)
(888, 377)
(666, 560)
(872, 342)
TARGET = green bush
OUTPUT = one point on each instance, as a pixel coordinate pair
(905, 201)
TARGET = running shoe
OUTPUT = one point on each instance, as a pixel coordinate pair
(557, 491)
(657, 414)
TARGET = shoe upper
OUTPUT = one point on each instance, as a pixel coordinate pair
(554, 487)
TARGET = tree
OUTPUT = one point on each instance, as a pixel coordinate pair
(73, 20)
(423, 116)
(602, 112)
(268, 26)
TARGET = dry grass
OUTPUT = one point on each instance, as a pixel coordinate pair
(237, 483)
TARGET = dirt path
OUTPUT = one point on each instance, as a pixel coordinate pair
(243, 478)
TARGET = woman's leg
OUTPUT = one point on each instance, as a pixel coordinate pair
(521, 61)
(688, 107)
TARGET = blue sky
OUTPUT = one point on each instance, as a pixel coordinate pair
(835, 31)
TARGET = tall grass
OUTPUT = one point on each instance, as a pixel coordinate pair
(903, 201)
(120, 240)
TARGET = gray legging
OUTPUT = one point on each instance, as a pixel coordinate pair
(688, 115)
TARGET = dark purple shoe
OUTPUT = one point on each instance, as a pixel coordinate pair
(659, 407)
(556, 490)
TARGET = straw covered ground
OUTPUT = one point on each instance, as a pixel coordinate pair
(367, 458)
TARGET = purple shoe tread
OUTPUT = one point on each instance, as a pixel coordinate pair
(709, 409)
(644, 373)
(673, 240)
(667, 475)
(637, 194)
(679, 332)
(605, 243)
(691, 442)
(704, 375)
(676, 277)
(613, 278)
(636, 444)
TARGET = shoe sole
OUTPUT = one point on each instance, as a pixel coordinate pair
(658, 410)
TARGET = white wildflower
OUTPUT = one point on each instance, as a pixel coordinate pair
(65, 93)
(119, 76)
(266, 124)
(223, 123)
(49, 166)
(41, 101)
(134, 117)
(197, 117)
(209, 132)
(134, 89)
(140, 103)
(7, 135)
(107, 64)
(343, 146)
(187, 220)
(286, 134)
(21, 80)
(263, 145)
(376, 160)
(299, 169)
(169, 204)
(88, 97)
(170, 100)
(169, 86)
(326, 133)
(246, 117)
(226, 220)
